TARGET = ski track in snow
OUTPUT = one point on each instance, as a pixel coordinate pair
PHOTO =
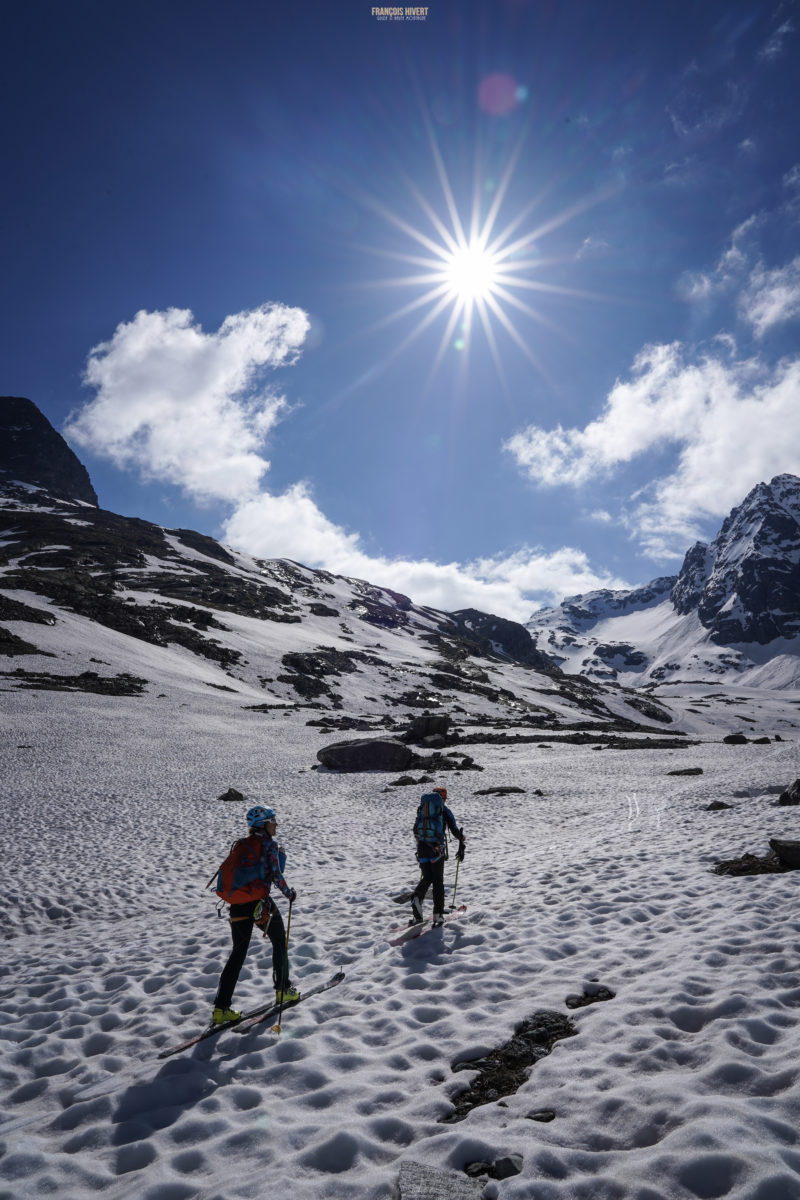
(684, 1085)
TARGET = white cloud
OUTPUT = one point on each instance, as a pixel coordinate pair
(771, 297)
(791, 183)
(189, 407)
(648, 410)
(705, 105)
(774, 47)
(695, 286)
(183, 405)
(766, 296)
(292, 526)
(731, 423)
(593, 247)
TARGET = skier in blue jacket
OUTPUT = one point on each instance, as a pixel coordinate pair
(434, 818)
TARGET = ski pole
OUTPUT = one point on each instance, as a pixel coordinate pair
(455, 885)
(277, 1027)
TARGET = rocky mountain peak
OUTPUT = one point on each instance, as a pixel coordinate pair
(33, 452)
(745, 585)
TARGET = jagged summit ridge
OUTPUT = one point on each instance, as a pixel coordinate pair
(734, 606)
(745, 585)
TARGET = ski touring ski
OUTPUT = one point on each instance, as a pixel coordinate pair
(405, 933)
(255, 1016)
(251, 1020)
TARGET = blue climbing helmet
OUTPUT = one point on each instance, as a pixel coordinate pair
(258, 817)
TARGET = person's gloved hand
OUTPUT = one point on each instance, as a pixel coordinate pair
(462, 845)
(292, 895)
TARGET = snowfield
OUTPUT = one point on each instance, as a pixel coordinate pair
(684, 1085)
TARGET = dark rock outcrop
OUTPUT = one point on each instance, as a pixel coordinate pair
(791, 795)
(366, 754)
(504, 1070)
(32, 451)
(501, 638)
(788, 852)
(11, 646)
(87, 681)
(593, 993)
(745, 585)
(427, 726)
(232, 796)
(751, 864)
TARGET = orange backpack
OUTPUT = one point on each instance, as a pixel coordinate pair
(241, 878)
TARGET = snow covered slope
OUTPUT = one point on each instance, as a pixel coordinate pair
(87, 597)
(147, 671)
(732, 615)
(594, 871)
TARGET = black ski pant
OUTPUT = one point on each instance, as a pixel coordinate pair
(241, 918)
(432, 874)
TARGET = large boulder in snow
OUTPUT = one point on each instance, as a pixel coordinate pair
(791, 795)
(427, 725)
(788, 852)
(367, 754)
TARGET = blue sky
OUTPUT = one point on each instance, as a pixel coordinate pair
(490, 307)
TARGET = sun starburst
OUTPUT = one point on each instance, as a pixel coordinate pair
(475, 269)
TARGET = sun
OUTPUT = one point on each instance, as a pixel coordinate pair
(471, 273)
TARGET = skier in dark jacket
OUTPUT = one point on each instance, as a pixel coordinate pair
(434, 818)
(262, 912)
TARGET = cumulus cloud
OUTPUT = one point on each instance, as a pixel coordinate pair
(188, 406)
(732, 424)
(292, 526)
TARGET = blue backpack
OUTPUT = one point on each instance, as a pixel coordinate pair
(429, 822)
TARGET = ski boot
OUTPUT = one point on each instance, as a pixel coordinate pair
(438, 920)
(416, 909)
(221, 1016)
(287, 994)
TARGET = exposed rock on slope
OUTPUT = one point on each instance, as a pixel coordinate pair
(32, 451)
(271, 631)
(745, 586)
(734, 607)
